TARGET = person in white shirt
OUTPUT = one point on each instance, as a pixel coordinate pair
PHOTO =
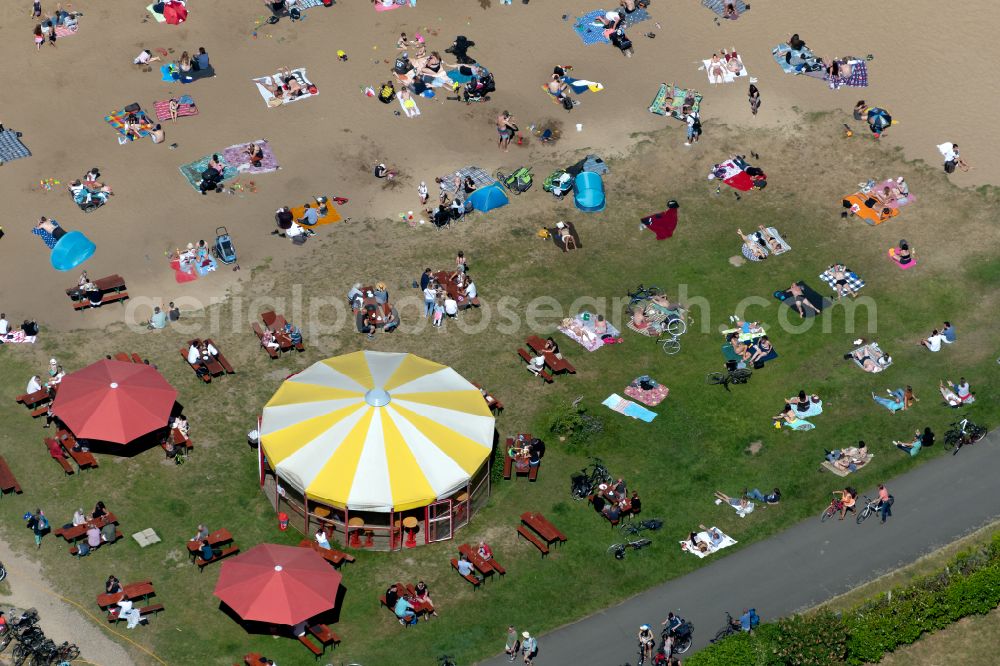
(193, 355)
(322, 539)
(470, 290)
(933, 341)
(34, 385)
(4, 324)
(209, 349)
(56, 378)
(536, 364)
(144, 58)
(450, 306)
(79, 518)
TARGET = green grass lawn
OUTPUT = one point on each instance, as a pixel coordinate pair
(695, 446)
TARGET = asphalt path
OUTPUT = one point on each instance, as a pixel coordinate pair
(812, 562)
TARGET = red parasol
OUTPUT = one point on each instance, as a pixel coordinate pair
(114, 401)
(175, 13)
(278, 584)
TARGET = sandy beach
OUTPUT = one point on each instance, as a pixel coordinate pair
(328, 144)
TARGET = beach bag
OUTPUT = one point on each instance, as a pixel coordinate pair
(567, 103)
(327, 3)
(295, 14)
(402, 65)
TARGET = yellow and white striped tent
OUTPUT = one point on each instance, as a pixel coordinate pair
(376, 431)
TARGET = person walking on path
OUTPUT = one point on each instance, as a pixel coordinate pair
(529, 647)
(39, 525)
(506, 129)
(885, 502)
(512, 645)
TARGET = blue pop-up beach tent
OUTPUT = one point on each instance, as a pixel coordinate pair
(487, 198)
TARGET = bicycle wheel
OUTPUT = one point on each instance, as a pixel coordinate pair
(676, 327)
(671, 346)
(741, 375)
(20, 653)
(716, 378)
(641, 543)
(864, 513)
(976, 433)
(721, 633)
(70, 653)
(683, 645)
(5, 639)
(827, 514)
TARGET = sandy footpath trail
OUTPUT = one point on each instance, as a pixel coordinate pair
(59, 620)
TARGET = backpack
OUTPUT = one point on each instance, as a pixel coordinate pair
(402, 65)
(567, 103)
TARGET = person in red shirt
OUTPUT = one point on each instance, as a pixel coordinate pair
(885, 502)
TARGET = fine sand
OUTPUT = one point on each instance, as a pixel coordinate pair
(923, 72)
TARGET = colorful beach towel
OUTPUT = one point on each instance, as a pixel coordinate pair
(236, 156)
(117, 122)
(652, 396)
(629, 408)
(727, 75)
(586, 30)
(380, 7)
(63, 31)
(276, 79)
(858, 78)
(186, 108)
(159, 17)
(11, 147)
(479, 177)
(670, 101)
(719, 6)
(192, 171)
(826, 464)
(703, 536)
(581, 329)
(854, 283)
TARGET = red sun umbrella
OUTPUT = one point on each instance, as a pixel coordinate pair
(114, 401)
(278, 584)
(175, 13)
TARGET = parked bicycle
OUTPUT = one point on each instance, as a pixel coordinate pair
(641, 294)
(618, 549)
(652, 525)
(731, 627)
(730, 376)
(583, 483)
(3, 571)
(963, 433)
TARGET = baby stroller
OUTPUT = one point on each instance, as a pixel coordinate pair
(224, 249)
(517, 182)
(479, 88)
(89, 201)
(558, 183)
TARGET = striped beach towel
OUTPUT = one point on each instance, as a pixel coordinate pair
(479, 177)
(719, 6)
(186, 108)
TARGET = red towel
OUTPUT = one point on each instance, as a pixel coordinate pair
(163, 110)
(662, 224)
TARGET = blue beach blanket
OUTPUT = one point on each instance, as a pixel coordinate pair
(192, 172)
(594, 34)
(11, 147)
(628, 408)
(719, 6)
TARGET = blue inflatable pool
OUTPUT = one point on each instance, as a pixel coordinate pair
(71, 250)
(588, 192)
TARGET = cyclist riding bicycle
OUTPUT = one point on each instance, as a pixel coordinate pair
(647, 641)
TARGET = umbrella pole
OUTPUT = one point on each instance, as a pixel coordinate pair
(306, 512)
(347, 529)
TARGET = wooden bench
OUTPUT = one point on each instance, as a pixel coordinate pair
(32, 400)
(474, 302)
(273, 353)
(526, 357)
(226, 552)
(324, 635)
(469, 577)
(144, 611)
(486, 567)
(137, 359)
(495, 406)
(533, 538)
(7, 480)
(207, 377)
(226, 365)
(67, 468)
(179, 441)
(317, 651)
(109, 297)
(123, 357)
(75, 550)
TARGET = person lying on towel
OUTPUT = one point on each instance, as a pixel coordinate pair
(956, 395)
(759, 350)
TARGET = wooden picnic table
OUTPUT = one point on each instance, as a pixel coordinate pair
(557, 363)
(443, 278)
(216, 538)
(81, 458)
(276, 323)
(409, 592)
(483, 566)
(511, 467)
(112, 288)
(212, 363)
(540, 524)
(8, 482)
(142, 589)
(331, 555)
(77, 532)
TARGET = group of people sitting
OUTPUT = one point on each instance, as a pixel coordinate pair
(180, 425)
(195, 258)
(419, 71)
(445, 299)
(849, 459)
(920, 440)
(614, 22)
(372, 309)
(612, 500)
(88, 192)
(55, 377)
(200, 354)
(752, 352)
(956, 395)
(96, 536)
(45, 30)
(466, 568)
(537, 362)
(526, 454)
(26, 332)
(797, 409)
(400, 602)
(656, 313)
(944, 336)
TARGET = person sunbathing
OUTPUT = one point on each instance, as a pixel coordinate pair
(752, 245)
(738, 503)
(802, 402)
(696, 543)
(799, 299)
(760, 350)
(733, 62)
(773, 244)
(661, 304)
(254, 154)
(839, 273)
(565, 237)
(730, 12)
(903, 254)
(739, 348)
(714, 536)
(716, 70)
(868, 361)
(434, 71)
(786, 415)
(850, 453)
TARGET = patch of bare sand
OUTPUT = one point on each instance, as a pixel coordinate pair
(326, 144)
(60, 620)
